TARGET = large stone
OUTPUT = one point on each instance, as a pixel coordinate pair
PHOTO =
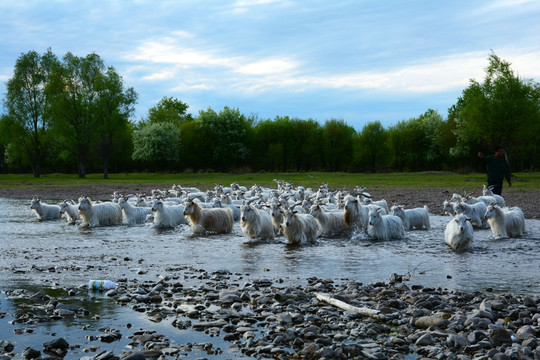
(424, 322)
(500, 336)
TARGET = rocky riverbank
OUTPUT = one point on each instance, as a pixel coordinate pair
(320, 319)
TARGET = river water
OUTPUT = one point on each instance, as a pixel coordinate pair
(44, 252)
(48, 254)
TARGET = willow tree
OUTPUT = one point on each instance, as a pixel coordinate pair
(25, 102)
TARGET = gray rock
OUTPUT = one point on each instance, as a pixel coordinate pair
(500, 336)
(425, 322)
(30, 353)
(6, 346)
(425, 340)
(457, 341)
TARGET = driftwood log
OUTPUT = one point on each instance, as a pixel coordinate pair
(375, 314)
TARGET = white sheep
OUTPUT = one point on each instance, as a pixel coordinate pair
(475, 212)
(331, 223)
(45, 211)
(70, 211)
(256, 223)
(448, 207)
(505, 222)
(141, 201)
(213, 220)
(166, 216)
(299, 228)
(133, 214)
(356, 214)
(459, 232)
(384, 227)
(380, 203)
(488, 191)
(102, 214)
(417, 218)
(276, 213)
(235, 208)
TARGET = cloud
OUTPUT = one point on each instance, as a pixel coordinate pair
(267, 67)
(189, 68)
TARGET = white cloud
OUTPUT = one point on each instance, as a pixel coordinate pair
(267, 67)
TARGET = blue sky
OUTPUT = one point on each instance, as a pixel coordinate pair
(359, 61)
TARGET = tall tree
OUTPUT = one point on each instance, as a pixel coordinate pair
(170, 110)
(112, 110)
(337, 145)
(226, 133)
(157, 146)
(88, 105)
(503, 109)
(25, 102)
(373, 143)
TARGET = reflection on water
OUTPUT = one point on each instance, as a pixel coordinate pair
(52, 252)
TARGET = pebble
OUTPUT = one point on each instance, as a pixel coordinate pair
(262, 318)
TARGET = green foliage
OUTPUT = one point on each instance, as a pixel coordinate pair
(504, 109)
(74, 114)
(169, 110)
(157, 146)
(25, 102)
(225, 137)
(414, 144)
(89, 107)
(337, 145)
(371, 146)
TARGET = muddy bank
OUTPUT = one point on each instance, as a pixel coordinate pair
(410, 197)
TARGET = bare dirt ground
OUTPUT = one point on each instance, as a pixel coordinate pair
(410, 197)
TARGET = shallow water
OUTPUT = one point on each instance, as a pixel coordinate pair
(44, 255)
(54, 252)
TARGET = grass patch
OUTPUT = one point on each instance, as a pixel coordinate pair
(336, 180)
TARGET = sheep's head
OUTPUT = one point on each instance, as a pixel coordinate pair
(85, 203)
(158, 204)
(461, 220)
(290, 217)
(247, 213)
(397, 210)
(374, 217)
(190, 207)
(315, 210)
(491, 211)
(35, 203)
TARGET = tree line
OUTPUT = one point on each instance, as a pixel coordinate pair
(74, 114)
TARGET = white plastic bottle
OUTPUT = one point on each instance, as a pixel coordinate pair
(101, 285)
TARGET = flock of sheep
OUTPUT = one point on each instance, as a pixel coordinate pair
(299, 214)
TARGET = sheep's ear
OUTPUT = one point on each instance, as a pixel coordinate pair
(468, 219)
(295, 212)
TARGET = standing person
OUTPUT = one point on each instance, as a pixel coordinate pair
(497, 169)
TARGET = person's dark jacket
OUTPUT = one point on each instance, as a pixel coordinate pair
(497, 169)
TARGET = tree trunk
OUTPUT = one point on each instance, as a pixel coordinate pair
(82, 167)
(106, 167)
(37, 166)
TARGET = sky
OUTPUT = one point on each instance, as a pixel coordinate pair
(358, 61)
